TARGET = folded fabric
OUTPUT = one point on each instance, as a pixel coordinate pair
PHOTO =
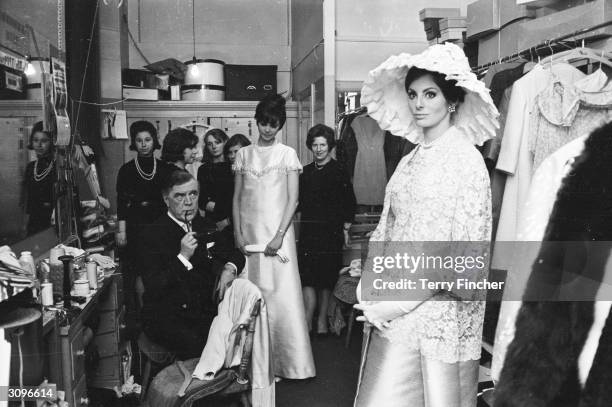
(260, 248)
(224, 344)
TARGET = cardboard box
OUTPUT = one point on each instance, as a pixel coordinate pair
(565, 22)
(500, 44)
(509, 11)
(452, 34)
(144, 94)
(482, 18)
(438, 13)
(452, 22)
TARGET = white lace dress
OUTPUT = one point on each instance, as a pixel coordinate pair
(439, 192)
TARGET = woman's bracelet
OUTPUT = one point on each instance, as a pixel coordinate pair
(281, 231)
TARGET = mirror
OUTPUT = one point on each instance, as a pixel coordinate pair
(27, 159)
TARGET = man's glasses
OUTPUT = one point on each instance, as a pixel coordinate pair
(181, 198)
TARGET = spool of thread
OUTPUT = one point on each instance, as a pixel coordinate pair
(81, 287)
(46, 290)
(92, 274)
(56, 272)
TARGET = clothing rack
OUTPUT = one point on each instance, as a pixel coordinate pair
(546, 45)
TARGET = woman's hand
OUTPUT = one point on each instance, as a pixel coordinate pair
(241, 243)
(210, 206)
(275, 244)
(379, 314)
(228, 274)
(222, 224)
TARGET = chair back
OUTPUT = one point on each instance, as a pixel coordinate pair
(248, 344)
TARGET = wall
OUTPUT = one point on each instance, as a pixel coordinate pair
(368, 32)
(306, 43)
(237, 32)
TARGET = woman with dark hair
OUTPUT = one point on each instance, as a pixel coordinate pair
(327, 207)
(139, 197)
(40, 177)
(216, 181)
(235, 143)
(179, 148)
(425, 352)
(265, 198)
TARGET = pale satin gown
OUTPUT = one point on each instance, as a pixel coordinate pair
(429, 357)
(262, 202)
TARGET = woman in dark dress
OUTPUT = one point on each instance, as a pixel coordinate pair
(327, 206)
(139, 198)
(179, 149)
(40, 176)
(216, 181)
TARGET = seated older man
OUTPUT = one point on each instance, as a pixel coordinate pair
(180, 267)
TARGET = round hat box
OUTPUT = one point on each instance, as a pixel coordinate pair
(204, 80)
(200, 92)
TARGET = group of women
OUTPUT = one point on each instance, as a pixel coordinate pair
(250, 191)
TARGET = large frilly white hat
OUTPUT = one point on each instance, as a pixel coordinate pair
(384, 95)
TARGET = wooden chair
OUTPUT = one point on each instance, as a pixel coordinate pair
(176, 379)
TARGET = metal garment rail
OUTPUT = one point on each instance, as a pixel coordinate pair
(545, 45)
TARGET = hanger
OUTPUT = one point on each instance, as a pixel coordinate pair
(576, 54)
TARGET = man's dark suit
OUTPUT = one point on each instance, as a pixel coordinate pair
(178, 305)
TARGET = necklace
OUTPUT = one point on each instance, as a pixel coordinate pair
(144, 175)
(39, 177)
(319, 166)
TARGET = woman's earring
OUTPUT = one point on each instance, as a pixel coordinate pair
(452, 108)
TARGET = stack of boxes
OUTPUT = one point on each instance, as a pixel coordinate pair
(495, 24)
(505, 27)
(443, 24)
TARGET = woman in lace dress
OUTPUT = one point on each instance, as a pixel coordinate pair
(425, 353)
(265, 199)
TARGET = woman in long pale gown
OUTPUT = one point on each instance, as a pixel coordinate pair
(265, 199)
(425, 353)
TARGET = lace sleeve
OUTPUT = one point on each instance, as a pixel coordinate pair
(472, 227)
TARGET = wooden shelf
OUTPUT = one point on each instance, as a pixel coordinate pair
(178, 108)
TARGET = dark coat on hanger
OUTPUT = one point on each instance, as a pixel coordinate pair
(395, 148)
(541, 365)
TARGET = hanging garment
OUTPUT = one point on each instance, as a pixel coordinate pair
(495, 69)
(369, 178)
(551, 361)
(540, 200)
(394, 148)
(565, 111)
(514, 158)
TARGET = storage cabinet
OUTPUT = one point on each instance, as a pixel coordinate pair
(75, 338)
